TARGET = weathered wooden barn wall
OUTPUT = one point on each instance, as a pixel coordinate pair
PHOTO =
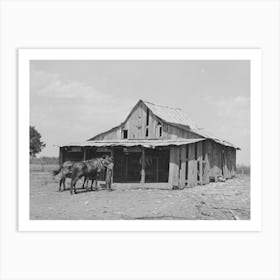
(114, 133)
(222, 160)
(137, 127)
(189, 165)
(198, 163)
(173, 132)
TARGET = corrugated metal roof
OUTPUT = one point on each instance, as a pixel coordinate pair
(130, 143)
(177, 117)
(171, 115)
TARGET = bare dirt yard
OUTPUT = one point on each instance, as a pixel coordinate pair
(215, 201)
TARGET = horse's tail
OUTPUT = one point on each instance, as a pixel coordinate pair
(57, 171)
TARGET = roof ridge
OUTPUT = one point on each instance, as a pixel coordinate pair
(163, 106)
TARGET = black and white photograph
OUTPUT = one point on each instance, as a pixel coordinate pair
(140, 139)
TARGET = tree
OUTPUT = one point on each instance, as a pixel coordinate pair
(36, 145)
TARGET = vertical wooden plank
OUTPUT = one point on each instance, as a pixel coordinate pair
(174, 166)
(229, 162)
(143, 122)
(226, 164)
(183, 167)
(143, 163)
(234, 162)
(192, 166)
(112, 155)
(84, 153)
(206, 171)
(199, 162)
(215, 161)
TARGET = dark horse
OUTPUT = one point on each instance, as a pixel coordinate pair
(89, 169)
(66, 172)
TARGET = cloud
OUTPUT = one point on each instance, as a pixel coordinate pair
(233, 119)
(231, 107)
(84, 99)
(69, 110)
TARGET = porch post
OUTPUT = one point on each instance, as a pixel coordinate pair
(192, 166)
(143, 163)
(174, 166)
(60, 160)
(183, 167)
(85, 154)
(112, 155)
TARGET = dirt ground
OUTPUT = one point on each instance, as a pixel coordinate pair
(215, 201)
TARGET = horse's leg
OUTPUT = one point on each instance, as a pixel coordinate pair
(96, 184)
(85, 179)
(73, 185)
(64, 187)
(84, 182)
(87, 183)
(60, 183)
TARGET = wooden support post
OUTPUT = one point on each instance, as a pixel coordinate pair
(85, 154)
(199, 162)
(234, 162)
(183, 167)
(192, 166)
(174, 166)
(60, 159)
(227, 163)
(206, 170)
(143, 163)
(112, 171)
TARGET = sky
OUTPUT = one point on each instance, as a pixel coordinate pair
(73, 100)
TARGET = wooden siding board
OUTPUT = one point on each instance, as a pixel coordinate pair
(192, 167)
(183, 166)
(174, 166)
(143, 162)
(199, 162)
(206, 170)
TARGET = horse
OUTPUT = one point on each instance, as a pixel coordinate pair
(88, 169)
(66, 172)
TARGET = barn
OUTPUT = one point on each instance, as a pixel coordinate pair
(159, 144)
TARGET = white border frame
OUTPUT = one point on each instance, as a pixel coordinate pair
(24, 57)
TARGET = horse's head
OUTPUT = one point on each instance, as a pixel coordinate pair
(106, 160)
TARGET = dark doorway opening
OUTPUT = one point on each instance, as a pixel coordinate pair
(127, 165)
(157, 165)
